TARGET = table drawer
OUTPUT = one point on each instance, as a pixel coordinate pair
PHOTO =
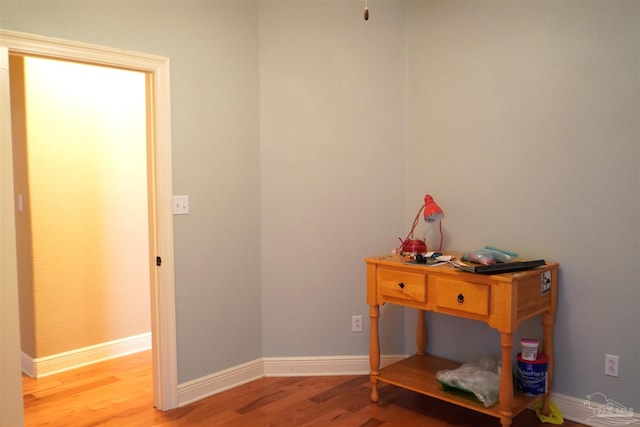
(402, 285)
(463, 296)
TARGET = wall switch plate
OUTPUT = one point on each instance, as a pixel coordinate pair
(180, 205)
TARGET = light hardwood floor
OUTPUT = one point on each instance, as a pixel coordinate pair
(119, 393)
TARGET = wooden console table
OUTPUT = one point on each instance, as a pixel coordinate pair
(500, 300)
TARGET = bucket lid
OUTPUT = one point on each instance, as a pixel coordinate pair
(542, 359)
(528, 341)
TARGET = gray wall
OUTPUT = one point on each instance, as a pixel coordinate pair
(213, 47)
(303, 130)
(332, 160)
(524, 122)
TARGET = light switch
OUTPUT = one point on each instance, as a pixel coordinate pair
(180, 205)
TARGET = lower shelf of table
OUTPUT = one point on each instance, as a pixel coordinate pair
(418, 373)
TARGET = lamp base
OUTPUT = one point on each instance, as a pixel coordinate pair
(414, 246)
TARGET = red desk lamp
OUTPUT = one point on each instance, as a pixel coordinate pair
(432, 213)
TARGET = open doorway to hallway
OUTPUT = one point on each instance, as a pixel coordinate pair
(162, 296)
(80, 177)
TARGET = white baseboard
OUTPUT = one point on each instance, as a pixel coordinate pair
(575, 409)
(322, 366)
(43, 366)
(200, 388)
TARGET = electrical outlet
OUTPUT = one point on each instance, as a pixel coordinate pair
(611, 365)
(356, 323)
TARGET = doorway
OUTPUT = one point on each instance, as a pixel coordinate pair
(80, 179)
(158, 157)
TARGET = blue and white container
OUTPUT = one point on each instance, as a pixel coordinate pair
(531, 375)
(529, 349)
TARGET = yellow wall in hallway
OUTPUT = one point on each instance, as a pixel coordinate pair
(84, 206)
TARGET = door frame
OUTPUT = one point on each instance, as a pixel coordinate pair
(162, 292)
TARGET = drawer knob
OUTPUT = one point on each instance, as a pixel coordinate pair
(460, 298)
(401, 284)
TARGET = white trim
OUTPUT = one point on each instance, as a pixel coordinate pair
(200, 388)
(209, 385)
(28, 365)
(163, 322)
(48, 365)
(325, 365)
(32, 44)
(574, 409)
(11, 401)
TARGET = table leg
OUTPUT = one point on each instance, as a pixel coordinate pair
(547, 349)
(374, 351)
(421, 334)
(506, 382)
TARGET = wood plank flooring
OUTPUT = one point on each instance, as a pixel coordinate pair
(119, 393)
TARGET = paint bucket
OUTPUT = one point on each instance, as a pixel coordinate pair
(529, 349)
(531, 378)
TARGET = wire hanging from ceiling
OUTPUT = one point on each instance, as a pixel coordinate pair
(366, 10)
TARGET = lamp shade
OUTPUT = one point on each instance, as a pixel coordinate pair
(432, 212)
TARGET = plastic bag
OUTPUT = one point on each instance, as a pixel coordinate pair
(480, 378)
(486, 257)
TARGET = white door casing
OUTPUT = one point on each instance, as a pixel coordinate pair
(11, 390)
(162, 295)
